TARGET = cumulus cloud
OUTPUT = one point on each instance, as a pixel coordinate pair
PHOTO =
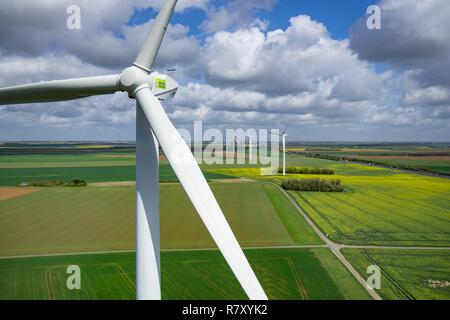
(16, 69)
(436, 95)
(413, 41)
(34, 28)
(235, 13)
(413, 36)
(288, 61)
(178, 47)
(298, 75)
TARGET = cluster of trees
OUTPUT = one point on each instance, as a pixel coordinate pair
(300, 170)
(318, 185)
(54, 183)
(76, 183)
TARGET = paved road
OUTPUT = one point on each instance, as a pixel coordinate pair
(334, 247)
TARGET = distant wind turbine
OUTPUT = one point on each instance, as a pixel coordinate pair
(283, 138)
(250, 147)
(153, 128)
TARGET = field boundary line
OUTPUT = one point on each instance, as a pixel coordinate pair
(351, 246)
(43, 255)
(313, 246)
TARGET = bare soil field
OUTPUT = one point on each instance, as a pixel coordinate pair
(9, 193)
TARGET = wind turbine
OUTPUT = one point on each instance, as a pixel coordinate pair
(283, 138)
(153, 128)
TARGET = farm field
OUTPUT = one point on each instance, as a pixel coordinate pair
(12, 174)
(284, 273)
(386, 149)
(398, 210)
(434, 159)
(57, 220)
(67, 161)
(407, 274)
(63, 148)
(439, 164)
(378, 207)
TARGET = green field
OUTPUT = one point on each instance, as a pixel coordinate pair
(284, 274)
(434, 164)
(254, 211)
(434, 159)
(111, 172)
(379, 206)
(95, 167)
(401, 209)
(103, 218)
(67, 161)
(407, 274)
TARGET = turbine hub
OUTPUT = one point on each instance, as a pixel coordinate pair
(162, 86)
(131, 78)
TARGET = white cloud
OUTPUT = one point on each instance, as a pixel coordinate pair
(436, 95)
(288, 61)
(18, 70)
(413, 36)
(235, 14)
(35, 28)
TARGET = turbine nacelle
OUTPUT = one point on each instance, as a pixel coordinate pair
(162, 86)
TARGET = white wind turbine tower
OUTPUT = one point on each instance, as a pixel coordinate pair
(153, 128)
(283, 138)
(250, 146)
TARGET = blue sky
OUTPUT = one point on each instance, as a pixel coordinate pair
(338, 16)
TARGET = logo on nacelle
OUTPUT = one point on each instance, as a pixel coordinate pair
(164, 87)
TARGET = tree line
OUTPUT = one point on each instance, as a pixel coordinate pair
(377, 163)
(301, 170)
(316, 184)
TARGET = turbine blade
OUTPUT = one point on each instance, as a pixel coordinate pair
(196, 187)
(150, 48)
(59, 90)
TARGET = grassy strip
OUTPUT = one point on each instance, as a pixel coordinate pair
(296, 226)
(344, 280)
